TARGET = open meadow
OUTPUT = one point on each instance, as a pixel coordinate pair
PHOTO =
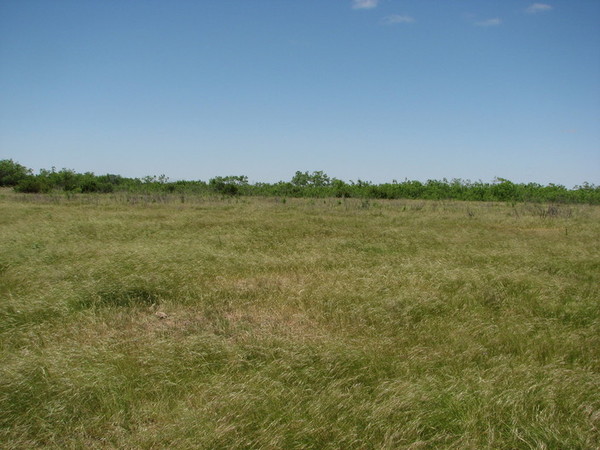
(167, 321)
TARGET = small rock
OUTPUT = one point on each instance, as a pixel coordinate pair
(160, 315)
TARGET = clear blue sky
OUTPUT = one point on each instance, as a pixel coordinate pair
(370, 89)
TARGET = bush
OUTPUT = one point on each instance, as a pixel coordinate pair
(33, 185)
(230, 185)
(12, 173)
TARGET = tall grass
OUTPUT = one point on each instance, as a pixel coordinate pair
(324, 323)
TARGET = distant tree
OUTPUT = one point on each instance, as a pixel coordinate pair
(300, 178)
(149, 179)
(153, 179)
(11, 173)
(33, 185)
(317, 178)
(320, 178)
(340, 189)
(67, 179)
(503, 189)
(111, 179)
(229, 185)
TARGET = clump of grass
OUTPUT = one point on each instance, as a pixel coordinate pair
(120, 296)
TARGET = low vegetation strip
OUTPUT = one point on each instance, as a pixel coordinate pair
(302, 185)
(141, 321)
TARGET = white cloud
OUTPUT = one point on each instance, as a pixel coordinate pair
(397, 18)
(489, 22)
(364, 4)
(538, 7)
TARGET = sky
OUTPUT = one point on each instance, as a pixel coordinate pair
(376, 90)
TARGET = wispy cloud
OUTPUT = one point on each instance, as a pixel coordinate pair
(489, 22)
(364, 4)
(397, 18)
(538, 7)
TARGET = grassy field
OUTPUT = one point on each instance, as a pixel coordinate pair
(187, 322)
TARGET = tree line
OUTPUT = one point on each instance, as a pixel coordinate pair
(303, 184)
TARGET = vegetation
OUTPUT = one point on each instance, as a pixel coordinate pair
(157, 320)
(12, 173)
(302, 185)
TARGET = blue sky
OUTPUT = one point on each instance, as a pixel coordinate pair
(370, 89)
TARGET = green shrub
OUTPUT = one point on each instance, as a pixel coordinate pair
(12, 173)
(33, 185)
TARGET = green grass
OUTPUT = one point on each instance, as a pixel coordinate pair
(297, 324)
